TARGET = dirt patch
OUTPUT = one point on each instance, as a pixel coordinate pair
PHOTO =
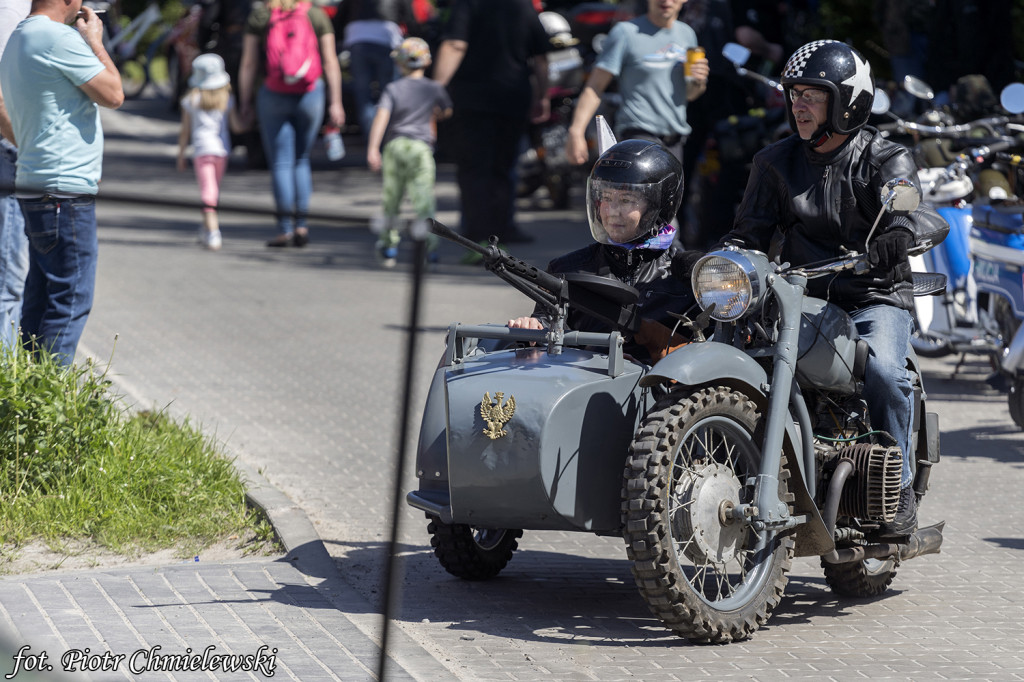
(40, 557)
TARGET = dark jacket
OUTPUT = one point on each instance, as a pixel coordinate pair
(649, 271)
(804, 206)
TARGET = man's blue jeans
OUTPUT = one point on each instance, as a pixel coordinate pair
(887, 388)
(62, 272)
(13, 250)
(289, 125)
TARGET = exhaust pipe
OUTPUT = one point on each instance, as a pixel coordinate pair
(924, 541)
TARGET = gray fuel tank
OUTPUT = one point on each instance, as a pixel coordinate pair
(828, 348)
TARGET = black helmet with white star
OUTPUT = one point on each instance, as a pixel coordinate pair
(844, 73)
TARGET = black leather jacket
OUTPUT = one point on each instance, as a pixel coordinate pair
(803, 206)
(649, 271)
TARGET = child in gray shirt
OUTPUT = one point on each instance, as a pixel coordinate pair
(406, 124)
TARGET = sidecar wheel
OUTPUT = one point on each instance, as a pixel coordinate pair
(866, 578)
(708, 577)
(472, 553)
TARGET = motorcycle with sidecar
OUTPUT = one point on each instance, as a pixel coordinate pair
(717, 465)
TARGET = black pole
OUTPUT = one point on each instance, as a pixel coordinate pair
(391, 589)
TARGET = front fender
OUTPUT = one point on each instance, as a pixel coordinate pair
(711, 362)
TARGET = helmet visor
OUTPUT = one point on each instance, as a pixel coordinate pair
(621, 213)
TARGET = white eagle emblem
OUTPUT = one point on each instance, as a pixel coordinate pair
(496, 414)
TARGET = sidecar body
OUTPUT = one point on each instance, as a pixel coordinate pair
(516, 436)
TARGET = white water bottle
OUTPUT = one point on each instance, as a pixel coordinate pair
(335, 145)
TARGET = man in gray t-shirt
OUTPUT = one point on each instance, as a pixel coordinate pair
(406, 126)
(646, 55)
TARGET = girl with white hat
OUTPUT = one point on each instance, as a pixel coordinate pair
(206, 110)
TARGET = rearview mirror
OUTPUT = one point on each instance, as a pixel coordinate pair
(900, 196)
(881, 103)
(918, 88)
(1012, 98)
(736, 53)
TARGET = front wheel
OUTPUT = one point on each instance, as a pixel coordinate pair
(472, 553)
(707, 575)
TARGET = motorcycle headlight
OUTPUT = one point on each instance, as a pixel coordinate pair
(730, 280)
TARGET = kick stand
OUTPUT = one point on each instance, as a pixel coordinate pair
(959, 364)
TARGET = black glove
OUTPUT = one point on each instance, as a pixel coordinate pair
(683, 262)
(889, 249)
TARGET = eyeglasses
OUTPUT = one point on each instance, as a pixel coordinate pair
(809, 96)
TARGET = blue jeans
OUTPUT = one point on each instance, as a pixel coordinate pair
(887, 388)
(61, 274)
(289, 125)
(13, 250)
(369, 62)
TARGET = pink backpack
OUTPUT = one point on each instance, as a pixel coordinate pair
(293, 51)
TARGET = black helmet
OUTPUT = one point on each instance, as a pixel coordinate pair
(638, 171)
(844, 73)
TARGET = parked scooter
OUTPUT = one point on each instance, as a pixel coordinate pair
(740, 452)
(965, 318)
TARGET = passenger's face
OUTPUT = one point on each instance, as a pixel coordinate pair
(810, 109)
(621, 211)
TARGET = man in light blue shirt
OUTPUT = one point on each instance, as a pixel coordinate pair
(53, 76)
(646, 55)
(13, 244)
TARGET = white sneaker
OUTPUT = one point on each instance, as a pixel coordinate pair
(212, 240)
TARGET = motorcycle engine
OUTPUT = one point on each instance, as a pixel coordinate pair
(872, 490)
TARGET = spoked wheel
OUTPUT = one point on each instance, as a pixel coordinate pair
(930, 345)
(865, 578)
(708, 576)
(472, 553)
(134, 76)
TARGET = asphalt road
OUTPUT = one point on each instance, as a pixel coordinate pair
(294, 358)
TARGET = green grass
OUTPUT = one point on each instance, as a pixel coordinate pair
(76, 464)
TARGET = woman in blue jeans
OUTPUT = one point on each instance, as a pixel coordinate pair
(289, 115)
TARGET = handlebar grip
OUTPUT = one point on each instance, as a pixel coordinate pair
(987, 149)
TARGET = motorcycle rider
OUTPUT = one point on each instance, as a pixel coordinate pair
(815, 194)
(633, 193)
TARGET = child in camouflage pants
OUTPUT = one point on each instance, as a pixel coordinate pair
(406, 124)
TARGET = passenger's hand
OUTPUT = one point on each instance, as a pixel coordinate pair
(889, 249)
(683, 262)
(525, 323)
(576, 148)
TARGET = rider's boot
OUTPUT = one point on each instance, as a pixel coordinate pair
(905, 521)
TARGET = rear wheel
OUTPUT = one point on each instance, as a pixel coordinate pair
(472, 553)
(866, 578)
(709, 576)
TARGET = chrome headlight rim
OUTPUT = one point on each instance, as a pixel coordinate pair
(752, 281)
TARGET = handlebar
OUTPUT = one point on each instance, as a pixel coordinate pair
(949, 131)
